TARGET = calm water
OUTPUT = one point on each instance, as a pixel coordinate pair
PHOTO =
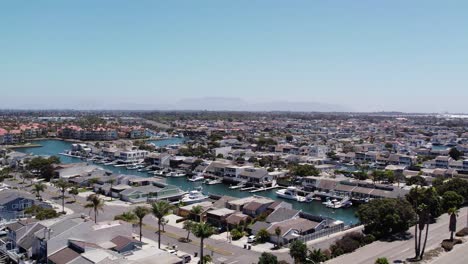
(53, 147)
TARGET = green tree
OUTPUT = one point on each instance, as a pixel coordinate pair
(455, 154)
(457, 185)
(304, 170)
(140, 212)
(62, 185)
(427, 205)
(381, 261)
(453, 212)
(128, 217)
(43, 166)
(111, 182)
(298, 251)
(41, 213)
(451, 199)
(74, 191)
(383, 217)
(188, 226)
(197, 210)
(202, 230)
(278, 234)
(267, 258)
(262, 236)
(96, 204)
(38, 188)
(160, 209)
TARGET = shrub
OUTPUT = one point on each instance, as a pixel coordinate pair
(262, 236)
(448, 245)
(381, 261)
(236, 234)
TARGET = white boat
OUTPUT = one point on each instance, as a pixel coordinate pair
(239, 185)
(175, 174)
(335, 204)
(212, 182)
(159, 173)
(194, 196)
(132, 167)
(291, 194)
(144, 169)
(198, 177)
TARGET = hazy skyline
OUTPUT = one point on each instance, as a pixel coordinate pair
(409, 56)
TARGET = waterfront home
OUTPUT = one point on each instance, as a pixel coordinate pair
(160, 160)
(236, 219)
(353, 188)
(258, 177)
(14, 202)
(256, 208)
(232, 173)
(133, 156)
(291, 223)
(238, 204)
(278, 204)
(78, 170)
(216, 168)
(217, 217)
(153, 192)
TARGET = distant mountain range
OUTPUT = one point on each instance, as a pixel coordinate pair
(232, 104)
(202, 103)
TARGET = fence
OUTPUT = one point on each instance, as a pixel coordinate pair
(321, 233)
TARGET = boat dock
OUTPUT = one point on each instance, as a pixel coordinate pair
(247, 188)
(264, 189)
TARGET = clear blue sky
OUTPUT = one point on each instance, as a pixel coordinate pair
(362, 55)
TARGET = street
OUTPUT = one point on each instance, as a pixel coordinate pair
(402, 250)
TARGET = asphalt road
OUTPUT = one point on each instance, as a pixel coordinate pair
(401, 250)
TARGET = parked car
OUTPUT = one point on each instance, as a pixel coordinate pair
(251, 239)
(186, 258)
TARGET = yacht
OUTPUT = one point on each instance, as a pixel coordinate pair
(159, 173)
(291, 194)
(216, 181)
(198, 177)
(194, 196)
(175, 174)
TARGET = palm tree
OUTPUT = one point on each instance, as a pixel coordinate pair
(129, 217)
(62, 185)
(197, 210)
(38, 188)
(188, 226)
(317, 256)
(298, 251)
(164, 222)
(453, 212)
(74, 191)
(96, 204)
(202, 230)
(278, 234)
(111, 182)
(159, 210)
(140, 212)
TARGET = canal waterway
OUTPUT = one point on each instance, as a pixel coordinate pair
(54, 147)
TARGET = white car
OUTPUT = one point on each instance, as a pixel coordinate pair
(251, 239)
